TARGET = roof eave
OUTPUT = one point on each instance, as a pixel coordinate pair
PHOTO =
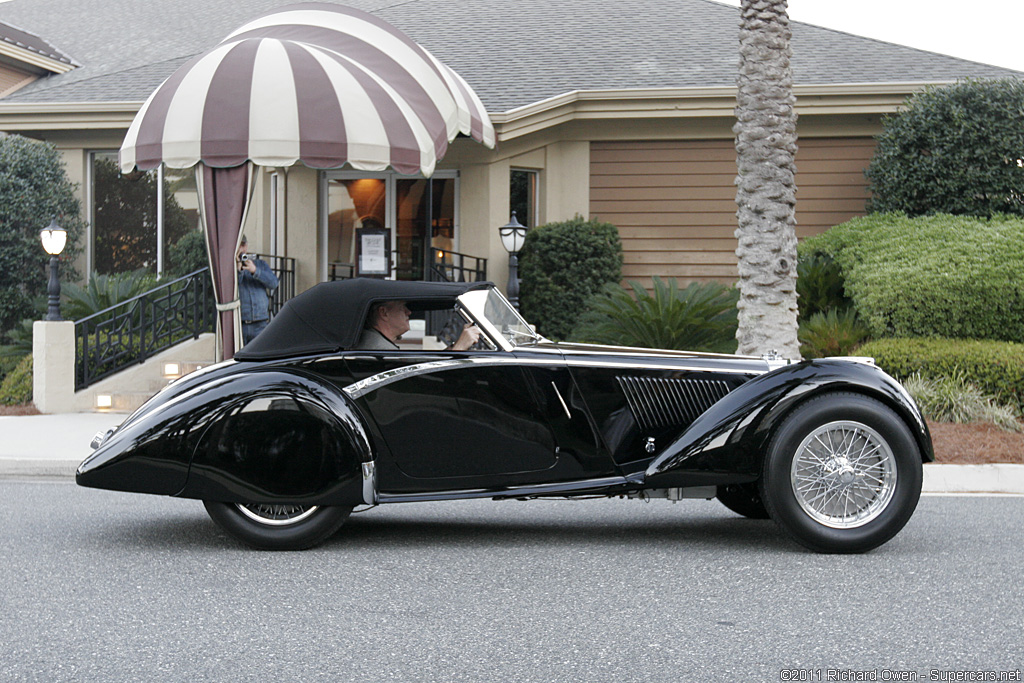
(35, 116)
(844, 98)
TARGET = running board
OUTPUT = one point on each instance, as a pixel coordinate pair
(558, 489)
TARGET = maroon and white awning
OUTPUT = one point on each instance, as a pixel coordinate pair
(316, 83)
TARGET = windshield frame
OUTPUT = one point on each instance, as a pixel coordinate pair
(475, 304)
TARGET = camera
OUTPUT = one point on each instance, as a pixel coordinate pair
(245, 257)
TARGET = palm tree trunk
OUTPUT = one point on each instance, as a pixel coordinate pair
(766, 182)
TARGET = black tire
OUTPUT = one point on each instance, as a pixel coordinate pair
(743, 499)
(842, 474)
(278, 527)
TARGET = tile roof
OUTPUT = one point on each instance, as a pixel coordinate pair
(29, 41)
(512, 53)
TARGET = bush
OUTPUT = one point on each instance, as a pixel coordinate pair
(104, 291)
(701, 317)
(836, 332)
(953, 149)
(33, 190)
(820, 285)
(188, 254)
(954, 399)
(16, 388)
(942, 276)
(997, 368)
(561, 266)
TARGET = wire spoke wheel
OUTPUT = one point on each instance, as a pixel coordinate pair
(277, 515)
(843, 474)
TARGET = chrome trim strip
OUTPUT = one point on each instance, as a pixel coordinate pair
(374, 382)
(508, 492)
(561, 400)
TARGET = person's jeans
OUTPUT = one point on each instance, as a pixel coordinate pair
(250, 330)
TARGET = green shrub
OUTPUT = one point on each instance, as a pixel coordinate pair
(19, 340)
(561, 266)
(701, 317)
(836, 332)
(104, 291)
(16, 388)
(33, 190)
(954, 399)
(953, 149)
(8, 363)
(188, 254)
(997, 368)
(942, 276)
(820, 285)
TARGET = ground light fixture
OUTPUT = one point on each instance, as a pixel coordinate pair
(54, 238)
(513, 234)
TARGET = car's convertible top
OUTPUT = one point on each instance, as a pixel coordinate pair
(328, 317)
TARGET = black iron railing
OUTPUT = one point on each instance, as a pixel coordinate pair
(284, 269)
(451, 266)
(136, 329)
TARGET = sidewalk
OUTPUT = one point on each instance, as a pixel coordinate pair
(54, 445)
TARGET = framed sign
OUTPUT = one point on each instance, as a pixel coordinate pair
(373, 252)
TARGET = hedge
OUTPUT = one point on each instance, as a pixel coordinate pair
(931, 276)
(562, 265)
(997, 368)
(16, 388)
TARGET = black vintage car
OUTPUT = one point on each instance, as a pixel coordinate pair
(283, 441)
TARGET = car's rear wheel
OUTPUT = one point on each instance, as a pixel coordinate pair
(743, 499)
(842, 474)
(278, 526)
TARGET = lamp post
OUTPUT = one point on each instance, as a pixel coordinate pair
(54, 238)
(513, 234)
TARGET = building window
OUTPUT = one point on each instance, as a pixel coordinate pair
(523, 195)
(420, 213)
(134, 227)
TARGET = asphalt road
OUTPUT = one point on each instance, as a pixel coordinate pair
(99, 585)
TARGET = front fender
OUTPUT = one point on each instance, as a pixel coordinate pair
(732, 435)
(251, 436)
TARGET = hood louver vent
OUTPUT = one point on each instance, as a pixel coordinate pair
(658, 402)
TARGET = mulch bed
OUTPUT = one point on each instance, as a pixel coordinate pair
(970, 444)
(975, 444)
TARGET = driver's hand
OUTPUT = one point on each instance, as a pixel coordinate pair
(470, 335)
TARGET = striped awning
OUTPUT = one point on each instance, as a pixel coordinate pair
(321, 84)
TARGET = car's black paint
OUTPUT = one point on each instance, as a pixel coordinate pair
(355, 427)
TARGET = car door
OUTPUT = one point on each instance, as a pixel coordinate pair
(463, 420)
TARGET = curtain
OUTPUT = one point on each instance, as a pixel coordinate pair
(224, 197)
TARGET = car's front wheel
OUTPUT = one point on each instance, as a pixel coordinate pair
(842, 474)
(277, 526)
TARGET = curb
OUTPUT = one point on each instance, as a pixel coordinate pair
(1000, 478)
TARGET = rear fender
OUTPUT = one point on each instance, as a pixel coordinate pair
(732, 435)
(271, 435)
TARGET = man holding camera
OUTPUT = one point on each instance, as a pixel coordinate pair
(256, 282)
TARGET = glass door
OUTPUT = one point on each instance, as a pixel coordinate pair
(420, 213)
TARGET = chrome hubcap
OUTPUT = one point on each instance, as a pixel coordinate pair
(843, 474)
(277, 515)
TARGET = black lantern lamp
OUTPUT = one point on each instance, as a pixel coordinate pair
(513, 234)
(54, 238)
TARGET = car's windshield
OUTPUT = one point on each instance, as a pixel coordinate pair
(498, 318)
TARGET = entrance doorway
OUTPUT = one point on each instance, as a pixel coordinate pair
(420, 213)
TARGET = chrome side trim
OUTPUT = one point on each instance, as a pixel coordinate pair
(374, 382)
(508, 492)
(561, 400)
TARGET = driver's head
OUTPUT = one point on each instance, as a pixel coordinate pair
(390, 318)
